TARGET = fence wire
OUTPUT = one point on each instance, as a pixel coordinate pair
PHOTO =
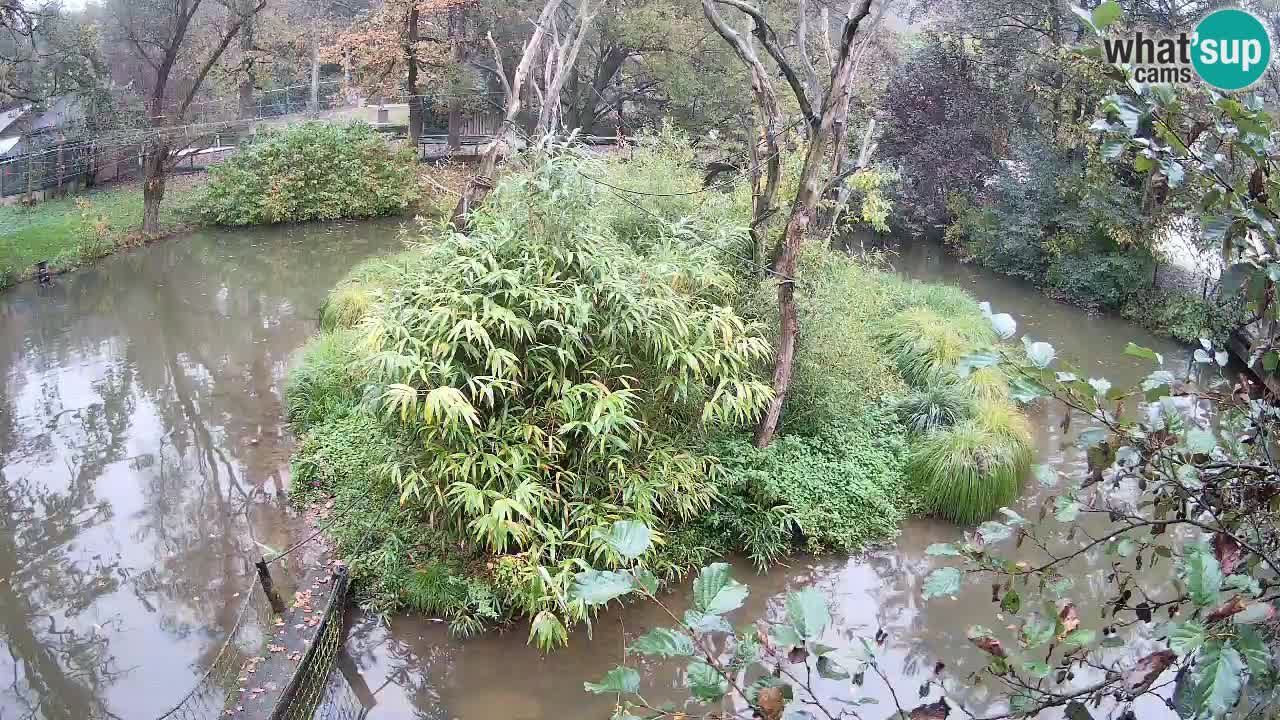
(340, 701)
(236, 658)
(311, 689)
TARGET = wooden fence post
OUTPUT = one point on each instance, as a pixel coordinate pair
(61, 167)
(269, 587)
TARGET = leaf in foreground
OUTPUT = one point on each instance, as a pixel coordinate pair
(942, 582)
(704, 682)
(617, 680)
(1218, 677)
(807, 612)
(597, 587)
(663, 642)
(630, 538)
(1148, 669)
(715, 592)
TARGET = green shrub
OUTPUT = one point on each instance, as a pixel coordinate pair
(1004, 239)
(842, 488)
(313, 171)
(339, 452)
(1182, 315)
(396, 557)
(839, 369)
(549, 379)
(968, 471)
(1100, 280)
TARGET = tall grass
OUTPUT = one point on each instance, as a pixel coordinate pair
(988, 384)
(936, 406)
(925, 345)
(321, 384)
(968, 471)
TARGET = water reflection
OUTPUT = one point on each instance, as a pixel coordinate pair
(417, 670)
(143, 459)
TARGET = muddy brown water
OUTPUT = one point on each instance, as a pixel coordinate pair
(143, 458)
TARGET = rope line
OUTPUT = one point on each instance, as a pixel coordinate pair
(333, 520)
(707, 188)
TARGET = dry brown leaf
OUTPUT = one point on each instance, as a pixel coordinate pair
(1148, 669)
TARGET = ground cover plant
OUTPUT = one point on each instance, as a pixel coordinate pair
(68, 232)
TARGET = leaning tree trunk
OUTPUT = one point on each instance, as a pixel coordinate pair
(822, 126)
(154, 175)
(784, 269)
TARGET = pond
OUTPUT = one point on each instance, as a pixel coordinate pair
(143, 459)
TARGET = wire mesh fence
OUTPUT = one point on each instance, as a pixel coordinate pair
(235, 659)
(341, 701)
(38, 172)
(310, 685)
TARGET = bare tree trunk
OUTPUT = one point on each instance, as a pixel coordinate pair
(245, 88)
(154, 175)
(759, 238)
(767, 100)
(458, 55)
(560, 60)
(821, 128)
(784, 269)
(315, 76)
(411, 84)
(482, 182)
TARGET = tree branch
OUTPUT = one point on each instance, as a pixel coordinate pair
(213, 58)
(767, 37)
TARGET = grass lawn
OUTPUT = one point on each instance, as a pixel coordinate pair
(78, 228)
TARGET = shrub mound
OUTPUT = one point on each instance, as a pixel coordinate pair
(312, 171)
(542, 379)
(841, 488)
(491, 404)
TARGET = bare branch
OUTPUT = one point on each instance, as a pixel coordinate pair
(497, 61)
(768, 38)
(802, 42)
(232, 31)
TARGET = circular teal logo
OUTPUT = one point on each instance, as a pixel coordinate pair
(1232, 49)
